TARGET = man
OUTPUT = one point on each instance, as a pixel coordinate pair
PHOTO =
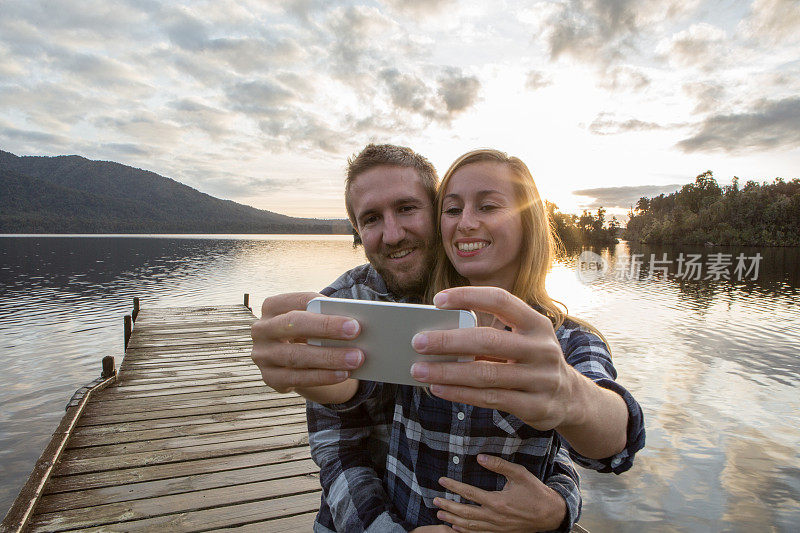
(389, 197)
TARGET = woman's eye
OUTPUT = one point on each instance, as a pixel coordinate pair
(452, 211)
(488, 207)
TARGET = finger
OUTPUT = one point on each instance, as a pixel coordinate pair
(505, 306)
(283, 303)
(307, 325)
(285, 379)
(478, 374)
(466, 341)
(469, 492)
(511, 471)
(468, 512)
(465, 524)
(301, 355)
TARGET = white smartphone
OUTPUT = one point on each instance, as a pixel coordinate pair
(386, 332)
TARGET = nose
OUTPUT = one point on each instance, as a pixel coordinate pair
(393, 231)
(468, 221)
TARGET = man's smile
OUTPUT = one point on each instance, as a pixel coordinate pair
(401, 253)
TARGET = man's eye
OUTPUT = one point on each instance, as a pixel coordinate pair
(369, 220)
(407, 208)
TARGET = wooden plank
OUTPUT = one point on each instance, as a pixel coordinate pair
(211, 499)
(161, 437)
(178, 423)
(227, 516)
(295, 424)
(115, 393)
(196, 383)
(177, 485)
(70, 465)
(300, 522)
(123, 476)
(188, 401)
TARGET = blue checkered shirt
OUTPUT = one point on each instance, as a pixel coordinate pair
(381, 453)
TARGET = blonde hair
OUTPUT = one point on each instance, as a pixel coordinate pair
(540, 244)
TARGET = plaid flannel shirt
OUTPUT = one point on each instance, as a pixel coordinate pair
(382, 452)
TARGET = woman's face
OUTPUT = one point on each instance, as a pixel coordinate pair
(481, 225)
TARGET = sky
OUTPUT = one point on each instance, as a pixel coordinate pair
(263, 102)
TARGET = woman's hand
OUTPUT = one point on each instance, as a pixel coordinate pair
(524, 504)
(536, 384)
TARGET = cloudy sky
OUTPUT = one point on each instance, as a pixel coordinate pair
(262, 102)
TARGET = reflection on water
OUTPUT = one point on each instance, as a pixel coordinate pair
(713, 363)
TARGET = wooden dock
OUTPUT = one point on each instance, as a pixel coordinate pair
(186, 437)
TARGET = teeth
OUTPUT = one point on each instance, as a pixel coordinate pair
(470, 246)
(399, 254)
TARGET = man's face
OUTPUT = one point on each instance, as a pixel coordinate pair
(395, 220)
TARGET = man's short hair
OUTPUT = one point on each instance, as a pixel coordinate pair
(376, 155)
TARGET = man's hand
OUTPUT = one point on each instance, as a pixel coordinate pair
(535, 384)
(440, 528)
(524, 504)
(287, 363)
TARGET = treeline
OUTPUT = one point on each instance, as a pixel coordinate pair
(765, 214)
(587, 228)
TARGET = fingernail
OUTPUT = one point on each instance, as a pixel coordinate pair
(350, 328)
(352, 358)
(419, 370)
(420, 341)
(440, 299)
(437, 389)
(436, 502)
(341, 374)
(482, 458)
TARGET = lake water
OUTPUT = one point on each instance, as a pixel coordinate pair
(714, 362)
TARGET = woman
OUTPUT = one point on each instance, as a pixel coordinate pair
(494, 232)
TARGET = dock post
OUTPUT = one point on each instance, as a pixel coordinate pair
(127, 330)
(247, 301)
(135, 308)
(108, 367)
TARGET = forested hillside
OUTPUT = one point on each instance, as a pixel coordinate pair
(71, 194)
(758, 214)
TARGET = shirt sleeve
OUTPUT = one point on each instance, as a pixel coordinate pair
(342, 438)
(564, 480)
(589, 355)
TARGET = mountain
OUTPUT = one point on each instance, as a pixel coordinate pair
(72, 194)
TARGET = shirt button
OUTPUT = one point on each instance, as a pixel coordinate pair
(456, 460)
(460, 415)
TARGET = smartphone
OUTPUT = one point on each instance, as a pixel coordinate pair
(386, 332)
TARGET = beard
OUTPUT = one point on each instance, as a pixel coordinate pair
(408, 282)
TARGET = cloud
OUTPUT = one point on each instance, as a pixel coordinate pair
(604, 125)
(768, 125)
(458, 91)
(625, 78)
(603, 31)
(622, 197)
(258, 98)
(215, 123)
(536, 80)
(773, 22)
(702, 45)
(419, 8)
(709, 96)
